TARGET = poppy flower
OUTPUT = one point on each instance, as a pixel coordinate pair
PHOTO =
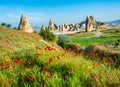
(111, 62)
(37, 48)
(22, 79)
(46, 67)
(7, 67)
(105, 60)
(17, 61)
(48, 75)
(92, 55)
(50, 60)
(65, 77)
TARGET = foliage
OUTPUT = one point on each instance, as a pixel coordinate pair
(47, 35)
(3, 24)
(63, 40)
(8, 25)
(41, 65)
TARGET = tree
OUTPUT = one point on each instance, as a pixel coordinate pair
(3, 24)
(8, 25)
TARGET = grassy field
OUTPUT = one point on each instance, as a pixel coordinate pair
(86, 39)
(36, 64)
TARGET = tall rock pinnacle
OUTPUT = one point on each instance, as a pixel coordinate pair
(24, 25)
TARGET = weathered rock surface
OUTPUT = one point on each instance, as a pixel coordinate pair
(90, 23)
(52, 26)
(24, 25)
(43, 27)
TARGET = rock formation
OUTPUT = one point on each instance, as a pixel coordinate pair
(43, 27)
(90, 23)
(52, 26)
(24, 25)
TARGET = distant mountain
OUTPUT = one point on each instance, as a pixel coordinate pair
(114, 22)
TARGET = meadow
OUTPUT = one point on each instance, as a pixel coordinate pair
(36, 64)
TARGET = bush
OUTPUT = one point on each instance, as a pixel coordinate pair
(47, 35)
(63, 40)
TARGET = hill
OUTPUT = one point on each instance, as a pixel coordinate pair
(114, 22)
(26, 61)
(11, 40)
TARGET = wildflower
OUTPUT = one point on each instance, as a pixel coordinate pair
(46, 67)
(82, 53)
(37, 48)
(105, 60)
(65, 77)
(58, 56)
(2, 65)
(50, 60)
(92, 55)
(17, 61)
(76, 54)
(111, 62)
(48, 75)
(32, 78)
(22, 79)
(7, 67)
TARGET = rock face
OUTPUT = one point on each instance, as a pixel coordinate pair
(24, 25)
(43, 27)
(90, 23)
(52, 26)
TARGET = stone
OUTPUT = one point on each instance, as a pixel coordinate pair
(52, 26)
(90, 23)
(43, 27)
(24, 25)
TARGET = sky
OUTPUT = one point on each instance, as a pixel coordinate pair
(39, 12)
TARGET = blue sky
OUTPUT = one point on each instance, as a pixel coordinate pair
(39, 12)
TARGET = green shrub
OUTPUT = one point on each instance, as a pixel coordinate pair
(47, 35)
(63, 40)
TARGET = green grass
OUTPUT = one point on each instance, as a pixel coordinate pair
(11, 40)
(85, 40)
(94, 40)
(35, 64)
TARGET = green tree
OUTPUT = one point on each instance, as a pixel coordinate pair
(3, 24)
(8, 25)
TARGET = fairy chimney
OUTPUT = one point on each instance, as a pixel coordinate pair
(51, 26)
(90, 23)
(24, 25)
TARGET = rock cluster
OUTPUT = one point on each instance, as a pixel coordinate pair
(24, 25)
(90, 23)
(52, 26)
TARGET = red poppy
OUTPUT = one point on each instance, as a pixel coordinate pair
(37, 48)
(7, 67)
(65, 77)
(17, 61)
(76, 54)
(46, 67)
(50, 60)
(22, 79)
(48, 75)
(105, 60)
(111, 62)
(92, 55)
